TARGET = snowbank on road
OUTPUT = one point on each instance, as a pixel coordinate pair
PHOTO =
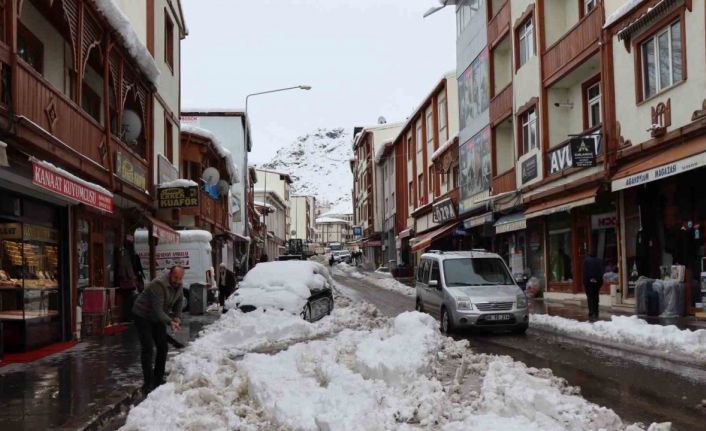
(387, 283)
(282, 285)
(631, 330)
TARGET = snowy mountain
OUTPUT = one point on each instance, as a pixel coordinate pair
(319, 166)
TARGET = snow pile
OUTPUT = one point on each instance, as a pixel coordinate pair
(281, 285)
(393, 285)
(345, 270)
(218, 146)
(132, 42)
(180, 182)
(631, 330)
(512, 389)
(358, 380)
(446, 145)
(319, 166)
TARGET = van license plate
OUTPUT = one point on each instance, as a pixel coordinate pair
(496, 317)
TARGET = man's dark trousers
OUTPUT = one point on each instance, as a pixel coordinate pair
(592, 295)
(152, 334)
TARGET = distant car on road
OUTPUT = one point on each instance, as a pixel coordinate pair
(471, 289)
(299, 287)
(342, 256)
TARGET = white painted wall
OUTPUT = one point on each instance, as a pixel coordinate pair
(505, 144)
(136, 12)
(298, 214)
(685, 98)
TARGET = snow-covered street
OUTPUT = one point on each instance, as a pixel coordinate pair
(356, 370)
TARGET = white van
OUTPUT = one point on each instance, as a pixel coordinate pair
(193, 252)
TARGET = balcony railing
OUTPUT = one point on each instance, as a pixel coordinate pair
(501, 105)
(40, 102)
(575, 46)
(499, 24)
(504, 182)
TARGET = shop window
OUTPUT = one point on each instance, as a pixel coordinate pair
(30, 48)
(82, 243)
(560, 249)
(662, 60)
(109, 257)
(535, 252)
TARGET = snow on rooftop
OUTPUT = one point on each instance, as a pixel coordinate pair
(265, 205)
(382, 148)
(220, 149)
(67, 174)
(212, 110)
(194, 235)
(270, 192)
(445, 146)
(621, 11)
(110, 10)
(179, 182)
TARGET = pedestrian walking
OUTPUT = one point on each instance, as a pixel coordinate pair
(226, 285)
(157, 307)
(593, 270)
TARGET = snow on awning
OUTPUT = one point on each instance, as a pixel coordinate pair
(64, 183)
(645, 19)
(511, 223)
(117, 19)
(442, 149)
(180, 182)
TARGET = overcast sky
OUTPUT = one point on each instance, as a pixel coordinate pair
(363, 58)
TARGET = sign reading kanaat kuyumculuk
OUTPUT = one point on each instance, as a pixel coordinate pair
(178, 197)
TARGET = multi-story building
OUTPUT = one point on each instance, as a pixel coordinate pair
(656, 128)
(228, 127)
(331, 229)
(273, 188)
(78, 106)
(300, 213)
(430, 126)
(367, 142)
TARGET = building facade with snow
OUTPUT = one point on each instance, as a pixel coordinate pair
(300, 214)
(330, 229)
(273, 188)
(78, 163)
(367, 188)
(274, 212)
(228, 126)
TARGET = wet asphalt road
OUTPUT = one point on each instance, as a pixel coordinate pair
(639, 388)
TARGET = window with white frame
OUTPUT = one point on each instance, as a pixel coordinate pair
(593, 104)
(525, 38)
(419, 137)
(431, 180)
(420, 188)
(589, 5)
(410, 194)
(529, 130)
(441, 107)
(662, 60)
(430, 125)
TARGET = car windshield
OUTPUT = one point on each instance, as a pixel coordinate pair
(476, 272)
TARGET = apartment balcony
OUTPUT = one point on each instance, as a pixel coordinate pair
(499, 24)
(501, 105)
(505, 182)
(210, 210)
(577, 44)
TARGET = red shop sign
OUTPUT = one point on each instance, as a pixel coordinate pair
(65, 186)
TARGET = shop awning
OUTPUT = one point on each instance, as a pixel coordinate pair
(406, 233)
(511, 223)
(478, 220)
(163, 231)
(680, 158)
(64, 183)
(564, 203)
(423, 241)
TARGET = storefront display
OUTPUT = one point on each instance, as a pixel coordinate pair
(560, 248)
(32, 286)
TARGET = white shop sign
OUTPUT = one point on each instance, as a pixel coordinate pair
(660, 172)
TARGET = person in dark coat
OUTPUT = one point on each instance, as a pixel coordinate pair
(226, 284)
(157, 307)
(593, 270)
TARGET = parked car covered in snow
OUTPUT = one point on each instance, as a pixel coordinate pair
(299, 287)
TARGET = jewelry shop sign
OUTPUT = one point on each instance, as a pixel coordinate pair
(178, 197)
(66, 186)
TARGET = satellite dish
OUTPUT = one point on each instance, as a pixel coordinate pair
(211, 176)
(132, 125)
(222, 187)
(382, 120)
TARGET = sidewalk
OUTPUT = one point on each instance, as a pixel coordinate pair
(571, 310)
(80, 387)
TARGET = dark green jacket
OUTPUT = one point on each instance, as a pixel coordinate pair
(159, 300)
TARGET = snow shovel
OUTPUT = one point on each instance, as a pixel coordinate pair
(174, 342)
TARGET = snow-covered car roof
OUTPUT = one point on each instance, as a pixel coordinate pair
(285, 285)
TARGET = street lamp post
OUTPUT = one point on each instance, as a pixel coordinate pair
(247, 133)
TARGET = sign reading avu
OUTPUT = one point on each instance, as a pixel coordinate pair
(178, 197)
